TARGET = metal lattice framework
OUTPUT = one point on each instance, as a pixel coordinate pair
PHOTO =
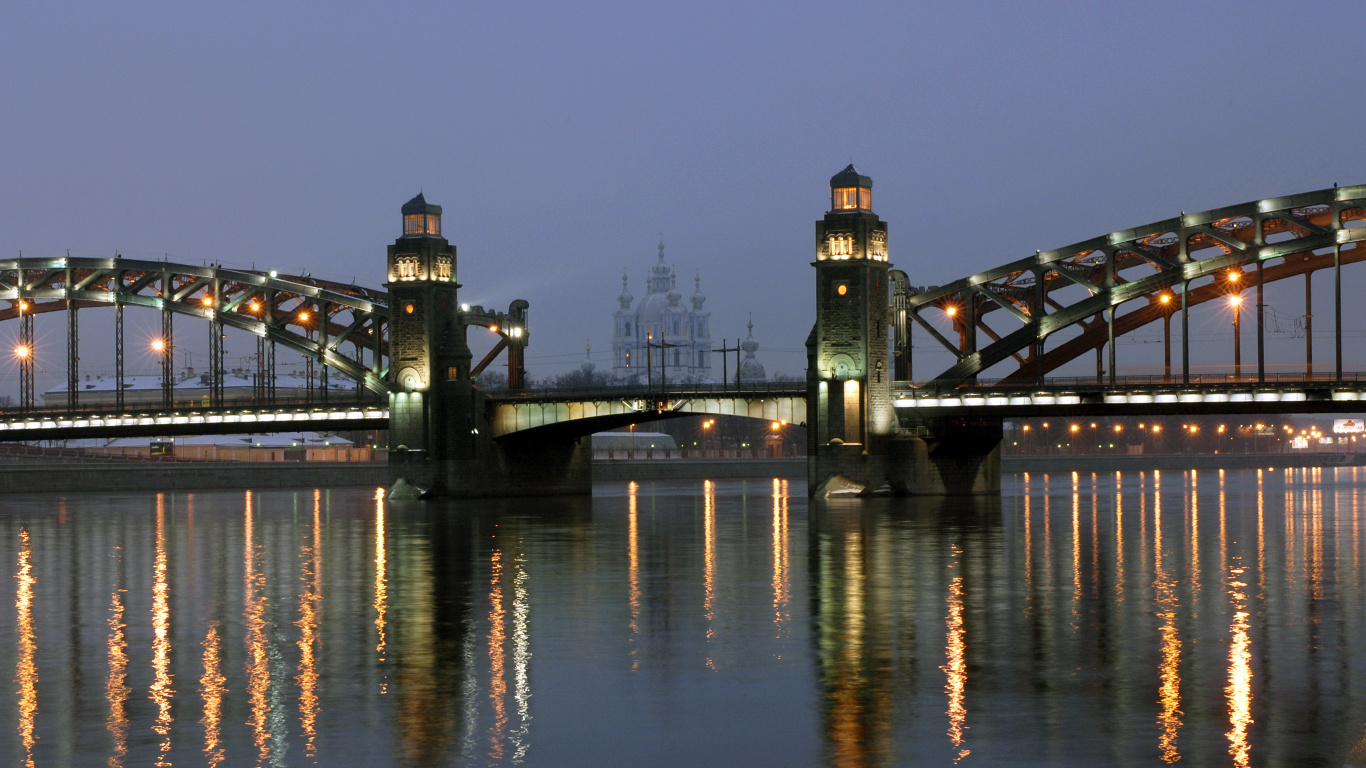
(316, 318)
(1236, 248)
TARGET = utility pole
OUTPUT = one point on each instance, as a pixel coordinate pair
(663, 362)
(723, 351)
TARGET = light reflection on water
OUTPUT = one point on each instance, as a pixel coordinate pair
(1203, 617)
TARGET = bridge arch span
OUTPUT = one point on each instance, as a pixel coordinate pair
(1307, 232)
(570, 416)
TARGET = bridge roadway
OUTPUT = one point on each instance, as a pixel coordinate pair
(581, 410)
(1139, 396)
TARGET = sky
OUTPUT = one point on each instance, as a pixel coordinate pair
(562, 139)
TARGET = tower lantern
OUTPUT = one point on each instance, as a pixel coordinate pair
(851, 191)
(421, 218)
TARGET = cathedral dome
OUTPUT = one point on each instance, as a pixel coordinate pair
(625, 298)
(751, 370)
(673, 294)
(697, 297)
(587, 365)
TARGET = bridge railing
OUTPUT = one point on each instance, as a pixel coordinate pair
(1105, 382)
(194, 405)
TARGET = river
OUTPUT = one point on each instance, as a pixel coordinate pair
(1210, 617)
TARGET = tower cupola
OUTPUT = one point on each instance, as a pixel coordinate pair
(421, 218)
(850, 190)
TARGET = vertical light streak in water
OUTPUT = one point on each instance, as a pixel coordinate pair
(1261, 539)
(1356, 528)
(1047, 590)
(1315, 543)
(26, 670)
(497, 637)
(381, 583)
(1028, 547)
(1239, 689)
(1076, 548)
(1195, 533)
(1169, 687)
(956, 667)
(709, 561)
(1119, 538)
(1095, 539)
(212, 686)
(307, 678)
(781, 582)
(258, 656)
(116, 689)
(521, 660)
(161, 692)
(633, 566)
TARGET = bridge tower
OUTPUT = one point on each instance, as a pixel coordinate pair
(439, 437)
(854, 432)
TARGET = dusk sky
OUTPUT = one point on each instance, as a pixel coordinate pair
(562, 139)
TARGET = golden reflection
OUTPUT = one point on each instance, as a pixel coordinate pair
(633, 565)
(307, 678)
(1261, 540)
(258, 654)
(26, 670)
(521, 659)
(1315, 541)
(955, 667)
(212, 686)
(709, 561)
(381, 582)
(161, 640)
(116, 689)
(781, 578)
(497, 637)
(1194, 496)
(1239, 690)
(1119, 539)
(849, 732)
(1076, 548)
(1169, 689)
(1028, 547)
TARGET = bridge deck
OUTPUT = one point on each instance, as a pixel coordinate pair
(1141, 395)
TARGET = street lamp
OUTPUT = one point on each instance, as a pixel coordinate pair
(1165, 300)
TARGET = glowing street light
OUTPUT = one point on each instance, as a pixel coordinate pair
(158, 345)
(21, 351)
(1236, 302)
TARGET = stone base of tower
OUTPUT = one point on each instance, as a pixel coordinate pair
(958, 459)
(501, 469)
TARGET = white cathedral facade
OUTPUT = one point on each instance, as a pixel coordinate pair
(662, 338)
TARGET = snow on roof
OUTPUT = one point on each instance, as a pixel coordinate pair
(273, 440)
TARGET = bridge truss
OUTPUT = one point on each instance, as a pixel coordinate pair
(1106, 287)
(337, 327)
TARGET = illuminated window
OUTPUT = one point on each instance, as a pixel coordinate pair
(421, 224)
(453, 372)
(851, 199)
(841, 289)
(408, 307)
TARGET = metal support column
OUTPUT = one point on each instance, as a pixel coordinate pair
(1261, 327)
(270, 372)
(1110, 328)
(324, 317)
(118, 355)
(258, 385)
(1309, 324)
(167, 358)
(1337, 311)
(73, 352)
(1167, 346)
(1185, 333)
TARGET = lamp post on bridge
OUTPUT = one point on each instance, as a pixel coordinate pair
(1237, 302)
(663, 360)
(725, 373)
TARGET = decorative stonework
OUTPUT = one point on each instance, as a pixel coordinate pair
(877, 246)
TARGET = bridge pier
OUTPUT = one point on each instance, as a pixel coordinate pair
(857, 440)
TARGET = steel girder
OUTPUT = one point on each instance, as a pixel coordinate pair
(354, 314)
(44, 285)
(1127, 265)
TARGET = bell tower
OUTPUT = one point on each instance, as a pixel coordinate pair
(429, 358)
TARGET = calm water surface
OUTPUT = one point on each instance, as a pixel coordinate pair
(1212, 619)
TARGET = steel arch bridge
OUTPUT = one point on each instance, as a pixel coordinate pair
(315, 318)
(1103, 288)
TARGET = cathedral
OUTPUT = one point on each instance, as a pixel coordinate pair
(663, 338)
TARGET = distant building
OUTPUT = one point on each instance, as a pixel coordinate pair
(191, 389)
(672, 339)
(751, 370)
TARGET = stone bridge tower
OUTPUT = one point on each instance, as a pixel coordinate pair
(854, 432)
(439, 440)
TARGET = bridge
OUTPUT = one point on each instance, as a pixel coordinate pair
(398, 358)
